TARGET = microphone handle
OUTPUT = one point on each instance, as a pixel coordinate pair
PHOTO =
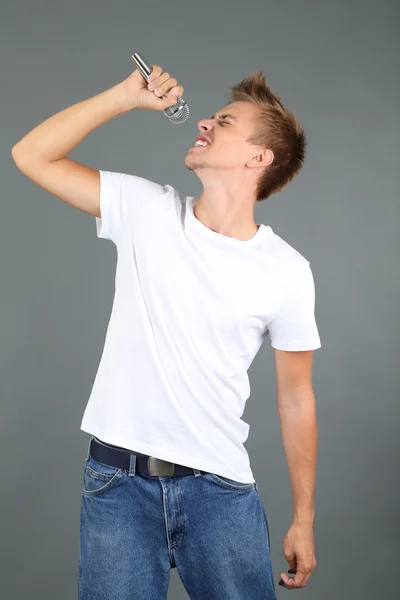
(141, 64)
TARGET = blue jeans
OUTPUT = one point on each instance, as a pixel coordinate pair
(134, 528)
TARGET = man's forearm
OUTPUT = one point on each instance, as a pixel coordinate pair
(300, 438)
(54, 138)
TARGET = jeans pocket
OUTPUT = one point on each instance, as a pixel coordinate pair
(227, 483)
(99, 477)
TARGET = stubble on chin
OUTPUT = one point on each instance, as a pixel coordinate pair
(194, 164)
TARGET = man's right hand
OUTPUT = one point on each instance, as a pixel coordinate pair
(42, 153)
(138, 94)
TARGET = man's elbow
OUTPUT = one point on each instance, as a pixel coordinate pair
(298, 397)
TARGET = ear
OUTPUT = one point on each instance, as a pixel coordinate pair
(261, 159)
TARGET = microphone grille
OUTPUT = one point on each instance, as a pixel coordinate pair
(177, 113)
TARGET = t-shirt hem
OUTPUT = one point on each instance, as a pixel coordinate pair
(171, 456)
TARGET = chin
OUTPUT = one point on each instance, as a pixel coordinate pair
(193, 163)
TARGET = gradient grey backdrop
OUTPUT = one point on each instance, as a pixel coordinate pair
(336, 65)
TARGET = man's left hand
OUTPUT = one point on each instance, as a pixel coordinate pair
(298, 549)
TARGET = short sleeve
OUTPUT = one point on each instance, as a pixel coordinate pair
(121, 198)
(294, 326)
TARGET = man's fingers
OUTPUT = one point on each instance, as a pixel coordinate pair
(163, 84)
(299, 580)
(157, 81)
(155, 72)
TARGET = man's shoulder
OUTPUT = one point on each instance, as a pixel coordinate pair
(283, 251)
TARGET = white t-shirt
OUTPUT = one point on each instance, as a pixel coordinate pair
(190, 312)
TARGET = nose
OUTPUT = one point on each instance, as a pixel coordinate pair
(205, 124)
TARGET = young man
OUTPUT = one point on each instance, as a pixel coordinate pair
(199, 285)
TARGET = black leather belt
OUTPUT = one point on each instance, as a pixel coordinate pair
(149, 465)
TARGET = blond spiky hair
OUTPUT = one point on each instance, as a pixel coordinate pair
(277, 129)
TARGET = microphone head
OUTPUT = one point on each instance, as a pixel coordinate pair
(177, 113)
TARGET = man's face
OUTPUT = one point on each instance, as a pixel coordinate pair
(227, 131)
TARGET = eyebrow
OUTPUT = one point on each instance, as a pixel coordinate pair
(226, 115)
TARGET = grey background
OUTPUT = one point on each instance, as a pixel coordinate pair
(336, 66)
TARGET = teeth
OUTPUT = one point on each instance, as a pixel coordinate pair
(201, 143)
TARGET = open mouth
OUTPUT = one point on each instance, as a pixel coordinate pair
(197, 145)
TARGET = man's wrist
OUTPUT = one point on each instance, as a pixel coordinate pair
(304, 517)
(124, 97)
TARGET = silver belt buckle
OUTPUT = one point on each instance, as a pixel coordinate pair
(158, 466)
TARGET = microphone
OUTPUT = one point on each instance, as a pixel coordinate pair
(177, 113)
